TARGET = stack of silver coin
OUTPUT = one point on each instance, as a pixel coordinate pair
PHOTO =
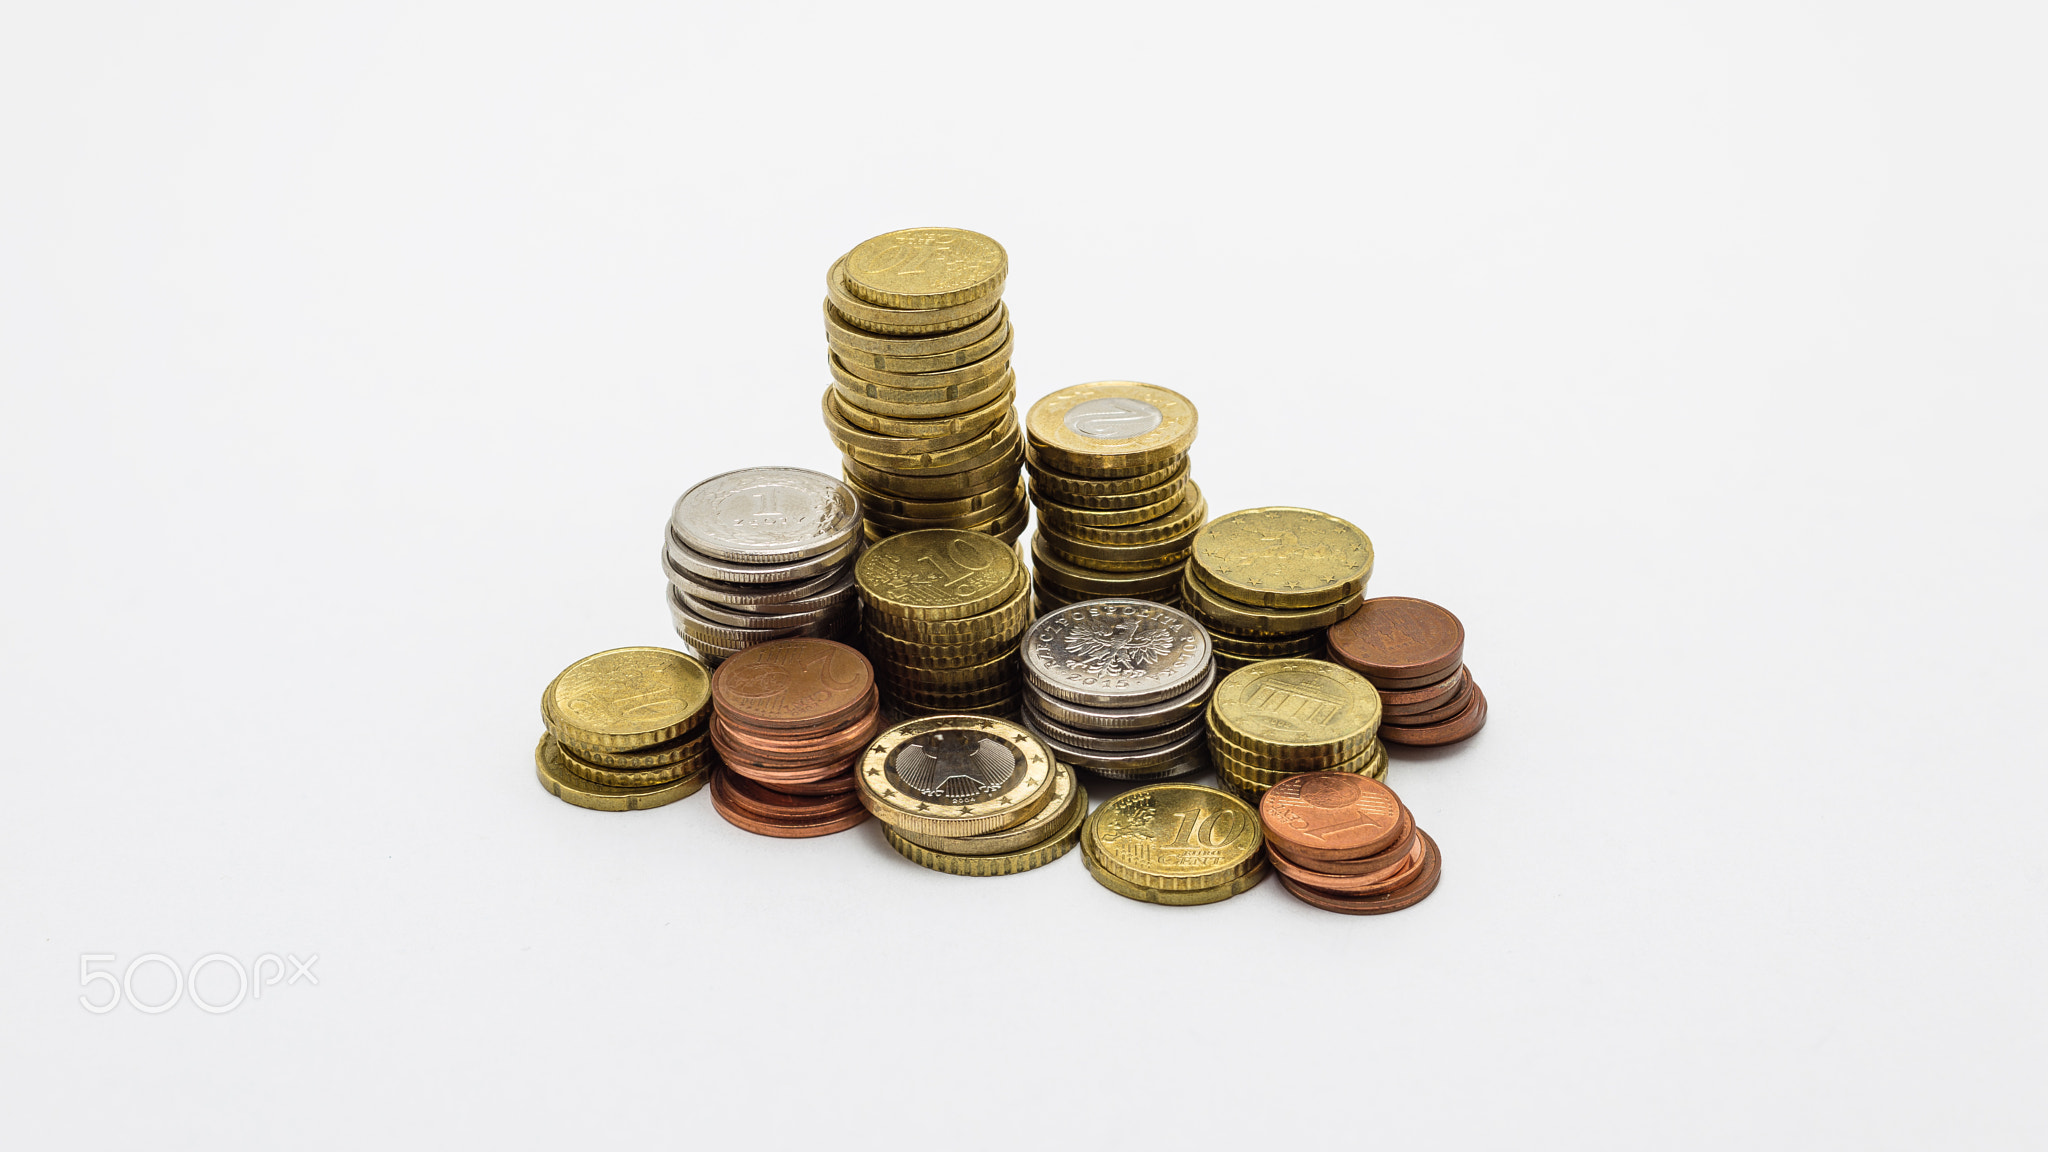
(761, 554)
(1118, 687)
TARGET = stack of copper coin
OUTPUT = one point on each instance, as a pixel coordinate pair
(922, 402)
(1266, 582)
(945, 607)
(1110, 480)
(789, 719)
(1346, 843)
(1414, 653)
(1276, 718)
(1117, 687)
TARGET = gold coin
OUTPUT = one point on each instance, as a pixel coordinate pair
(1099, 492)
(975, 520)
(998, 666)
(1284, 557)
(933, 459)
(1171, 560)
(902, 321)
(994, 364)
(1283, 707)
(1005, 619)
(698, 760)
(999, 474)
(1219, 611)
(942, 696)
(857, 357)
(873, 501)
(872, 392)
(955, 776)
(1185, 517)
(1069, 802)
(1252, 788)
(937, 574)
(1128, 890)
(558, 780)
(1302, 646)
(1176, 837)
(843, 333)
(1224, 748)
(1037, 855)
(1111, 428)
(970, 422)
(926, 268)
(626, 699)
(944, 434)
(1070, 520)
(937, 658)
(668, 752)
(1127, 557)
(858, 394)
(1147, 584)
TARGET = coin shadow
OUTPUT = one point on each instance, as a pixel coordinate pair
(1407, 754)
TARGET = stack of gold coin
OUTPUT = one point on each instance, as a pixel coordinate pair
(923, 399)
(1117, 510)
(971, 795)
(945, 608)
(1266, 582)
(1276, 718)
(626, 729)
(1175, 844)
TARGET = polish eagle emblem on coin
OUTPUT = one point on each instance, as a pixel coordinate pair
(1129, 645)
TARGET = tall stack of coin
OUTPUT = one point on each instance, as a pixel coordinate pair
(1270, 720)
(1117, 687)
(626, 730)
(1117, 509)
(759, 554)
(922, 402)
(945, 607)
(789, 719)
(971, 795)
(1174, 844)
(1347, 844)
(1267, 581)
(1414, 653)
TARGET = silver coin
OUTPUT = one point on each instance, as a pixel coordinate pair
(1134, 719)
(752, 597)
(693, 627)
(720, 614)
(1195, 759)
(1113, 418)
(681, 556)
(1108, 763)
(838, 587)
(1097, 742)
(1116, 652)
(766, 515)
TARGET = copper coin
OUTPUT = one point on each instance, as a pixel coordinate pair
(1337, 812)
(801, 683)
(1395, 701)
(1423, 884)
(1395, 874)
(789, 751)
(1384, 684)
(1458, 702)
(1400, 638)
(785, 824)
(1457, 728)
(787, 779)
(1322, 860)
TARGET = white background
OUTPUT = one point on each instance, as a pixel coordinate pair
(1692, 354)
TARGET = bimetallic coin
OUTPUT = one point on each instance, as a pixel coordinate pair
(1069, 802)
(1173, 710)
(626, 699)
(926, 268)
(1176, 837)
(1399, 638)
(680, 557)
(1111, 428)
(1223, 612)
(843, 333)
(766, 515)
(565, 785)
(1116, 652)
(1283, 557)
(955, 776)
(1285, 707)
(938, 574)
